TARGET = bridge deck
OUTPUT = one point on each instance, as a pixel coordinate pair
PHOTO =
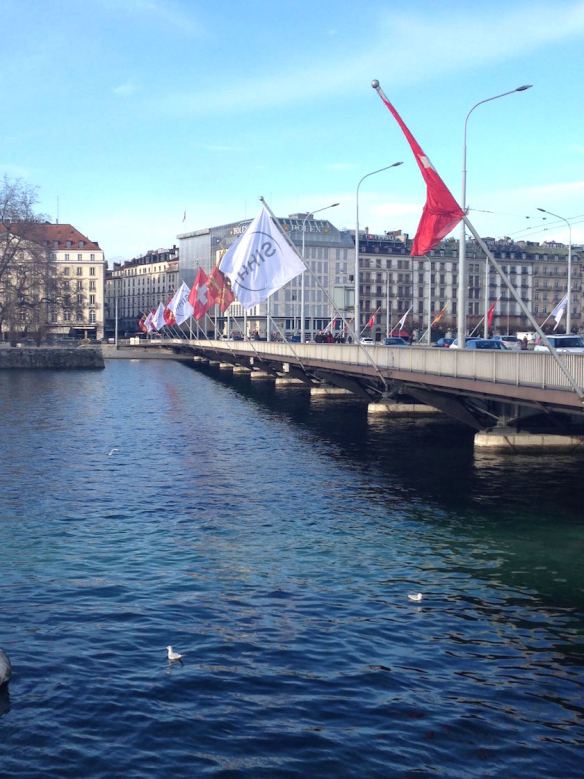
(512, 376)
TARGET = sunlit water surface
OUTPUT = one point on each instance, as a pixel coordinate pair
(273, 540)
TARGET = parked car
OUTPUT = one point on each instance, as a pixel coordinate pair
(563, 343)
(508, 341)
(485, 343)
(479, 343)
(444, 343)
(395, 340)
(454, 344)
(366, 341)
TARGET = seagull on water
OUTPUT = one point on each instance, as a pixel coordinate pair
(115, 449)
(172, 655)
(416, 597)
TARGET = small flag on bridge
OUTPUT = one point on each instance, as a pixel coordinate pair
(559, 310)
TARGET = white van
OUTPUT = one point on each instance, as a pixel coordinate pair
(563, 343)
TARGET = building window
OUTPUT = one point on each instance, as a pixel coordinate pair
(66, 257)
(92, 285)
(65, 271)
(67, 315)
(92, 257)
(79, 271)
(92, 300)
(92, 317)
(79, 285)
(92, 271)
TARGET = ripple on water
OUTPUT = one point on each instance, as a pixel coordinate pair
(273, 541)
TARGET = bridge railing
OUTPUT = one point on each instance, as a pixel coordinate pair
(519, 368)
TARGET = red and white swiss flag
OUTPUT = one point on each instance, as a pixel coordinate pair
(441, 212)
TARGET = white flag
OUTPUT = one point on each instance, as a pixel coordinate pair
(148, 324)
(260, 262)
(180, 306)
(558, 311)
(402, 322)
(158, 317)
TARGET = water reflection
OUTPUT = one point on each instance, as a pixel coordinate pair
(4, 700)
(515, 517)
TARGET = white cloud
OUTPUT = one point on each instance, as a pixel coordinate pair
(14, 171)
(167, 12)
(441, 45)
(558, 188)
(126, 89)
(218, 147)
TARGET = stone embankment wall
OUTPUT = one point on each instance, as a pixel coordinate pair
(51, 357)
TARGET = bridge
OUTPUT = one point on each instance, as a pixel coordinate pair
(510, 398)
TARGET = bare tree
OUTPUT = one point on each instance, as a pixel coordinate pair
(30, 286)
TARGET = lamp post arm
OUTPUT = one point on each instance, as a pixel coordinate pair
(357, 314)
(462, 272)
(569, 278)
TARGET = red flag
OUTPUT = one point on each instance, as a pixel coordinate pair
(168, 315)
(441, 212)
(490, 315)
(439, 316)
(227, 296)
(199, 295)
(142, 324)
(219, 290)
(371, 321)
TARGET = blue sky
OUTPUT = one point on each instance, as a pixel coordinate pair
(128, 112)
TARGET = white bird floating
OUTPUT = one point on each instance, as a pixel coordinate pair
(115, 449)
(416, 597)
(172, 655)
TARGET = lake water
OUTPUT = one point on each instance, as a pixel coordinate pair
(273, 539)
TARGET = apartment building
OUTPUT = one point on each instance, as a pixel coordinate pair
(62, 275)
(139, 285)
(392, 283)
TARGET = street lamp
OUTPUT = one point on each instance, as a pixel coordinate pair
(461, 317)
(356, 323)
(569, 284)
(308, 216)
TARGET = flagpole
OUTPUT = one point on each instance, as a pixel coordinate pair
(429, 308)
(486, 299)
(387, 313)
(476, 327)
(268, 329)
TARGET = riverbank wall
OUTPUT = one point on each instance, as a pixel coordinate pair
(83, 357)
